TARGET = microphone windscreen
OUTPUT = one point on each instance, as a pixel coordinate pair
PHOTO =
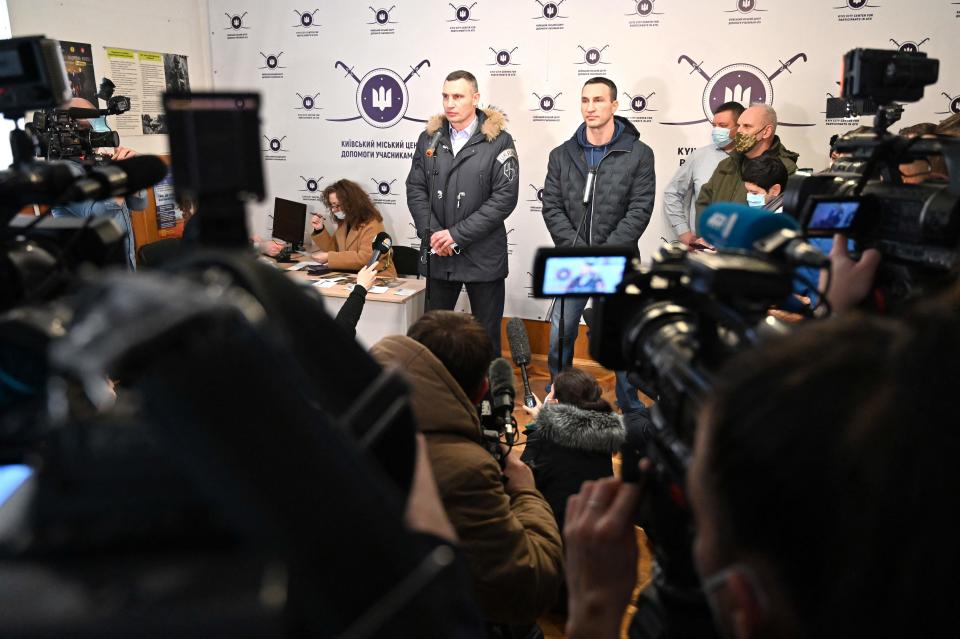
(727, 225)
(382, 241)
(78, 113)
(501, 377)
(519, 341)
(142, 171)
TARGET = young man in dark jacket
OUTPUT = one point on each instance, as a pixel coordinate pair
(463, 184)
(621, 201)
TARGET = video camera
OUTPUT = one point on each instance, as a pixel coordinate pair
(40, 256)
(170, 507)
(674, 323)
(915, 226)
(67, 134)
(671, 325)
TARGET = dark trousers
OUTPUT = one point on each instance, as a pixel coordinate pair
(486, 302)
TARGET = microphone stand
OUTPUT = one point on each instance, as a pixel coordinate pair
(433, 186)
(587, 204)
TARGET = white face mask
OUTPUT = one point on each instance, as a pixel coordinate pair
(340, 215)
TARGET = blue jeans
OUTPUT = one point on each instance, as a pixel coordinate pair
(627, 397)
(572, 310)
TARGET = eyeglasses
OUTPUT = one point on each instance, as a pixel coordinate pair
(334, 206)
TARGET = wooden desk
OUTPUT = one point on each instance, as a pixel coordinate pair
(383, 313)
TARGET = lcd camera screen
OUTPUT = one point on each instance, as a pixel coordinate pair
(583, 275)
(833, 216)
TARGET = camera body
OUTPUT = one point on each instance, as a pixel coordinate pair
(916, 227)
(66, 134)
(63, 137)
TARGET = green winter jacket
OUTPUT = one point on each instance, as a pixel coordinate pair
(726, 183)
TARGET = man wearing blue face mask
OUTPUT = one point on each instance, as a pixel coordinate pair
(681, 193)
(119, 207)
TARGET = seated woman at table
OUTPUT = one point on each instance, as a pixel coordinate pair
(350, 247)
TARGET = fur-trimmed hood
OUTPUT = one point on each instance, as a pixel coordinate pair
(588, 430)
(493, 122)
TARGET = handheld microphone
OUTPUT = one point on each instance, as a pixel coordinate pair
(735, 226)
(381, 244)
(434, 141)
(588, 186)
(122, 177)
(520, 352)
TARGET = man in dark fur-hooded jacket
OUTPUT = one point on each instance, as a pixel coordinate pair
(463, 184)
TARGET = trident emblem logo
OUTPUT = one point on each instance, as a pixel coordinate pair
(382, 98)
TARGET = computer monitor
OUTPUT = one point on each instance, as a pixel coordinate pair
(289, 221)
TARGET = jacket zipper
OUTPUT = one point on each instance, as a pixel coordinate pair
(593, 193)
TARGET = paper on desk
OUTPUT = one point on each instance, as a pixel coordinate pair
(404, 292)
(302, 265)
(325, 284)
(378, 289)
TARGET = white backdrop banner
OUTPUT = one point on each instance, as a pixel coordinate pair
(347, 86)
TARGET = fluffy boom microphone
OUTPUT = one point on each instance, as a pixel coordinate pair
(520, 352)
(502, 395)
(122, 177)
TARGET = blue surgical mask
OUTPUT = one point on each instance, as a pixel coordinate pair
(340, 215)
(721, 137)
(756, 200)
(99, 125)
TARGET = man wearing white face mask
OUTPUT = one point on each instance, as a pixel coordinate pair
(682, 191)
(119, 207)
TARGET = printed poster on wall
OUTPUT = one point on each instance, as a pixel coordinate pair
(143, 76)
(78, 60)
(169, 215)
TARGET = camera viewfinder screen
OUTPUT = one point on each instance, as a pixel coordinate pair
(583, 275)
(833, 216)
(11, 478)
(10, 65)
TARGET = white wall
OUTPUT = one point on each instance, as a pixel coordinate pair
(167, 26)
(644, 43)
(6, 157)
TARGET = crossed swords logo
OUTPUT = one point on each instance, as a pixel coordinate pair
(383, 188)
(382, 96)
(743, 83)
(954, 102)
(745, 6)
(382, 16)
(549, 10)
(547, 102)
(639, 103)
(908, 46)
(502, 57)
(462, 13)
(643, 8)
(592, 55)
(305, 19)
